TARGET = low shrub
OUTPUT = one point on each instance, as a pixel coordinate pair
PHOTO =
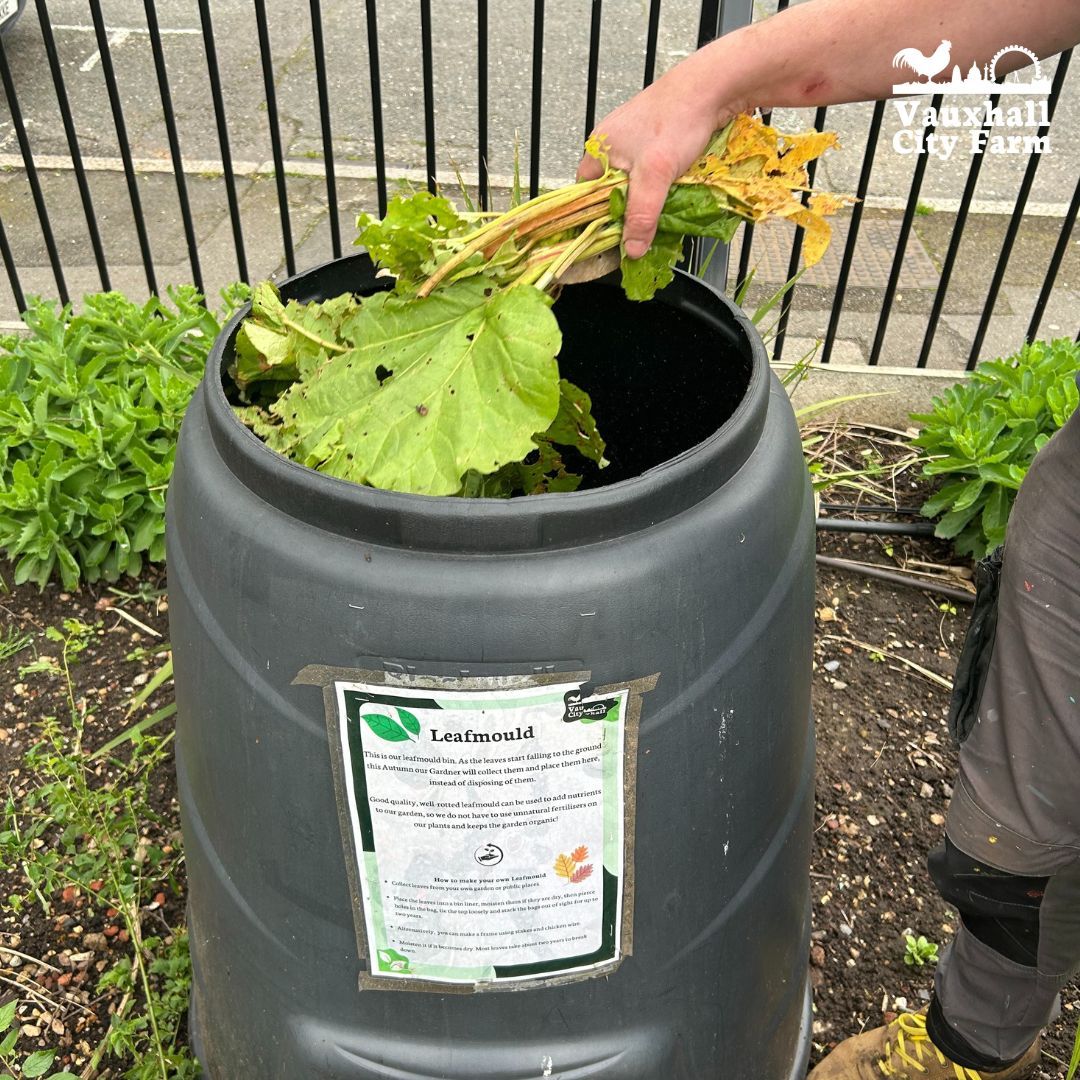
(90, 407)
(983, 434)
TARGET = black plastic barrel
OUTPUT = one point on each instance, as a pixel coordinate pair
(386, 846)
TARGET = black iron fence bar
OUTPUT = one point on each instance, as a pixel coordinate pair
(376, 103)
(954, 245)
(709, 21)
(901, 243)
(174, 144)
(210, 48)
(73, 143)
(32, 175)
(482, 100)
(12, 273)
(113, 91)
(429, 95)
(280, 178)
(319, 49)
(651, 39)
(537, 98)
(594, 67)
(853, 230)
(796, 251)
(1018, 213)
(1055, 264)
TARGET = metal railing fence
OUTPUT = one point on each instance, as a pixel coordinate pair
(582, 55)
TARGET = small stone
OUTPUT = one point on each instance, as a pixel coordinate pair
(832, 665)
(946, 790)
(141, 679)
(900, 1004)
(95, 942)
(839, 684)
(817, 956)
(873, 819)
(937, 819)
(69, 894)
(31, 1031)
(926, 791)
(846, 930)
(924, 994)
(111, 931)
(58, 1027)
(14, 961)
(63, 979)
(882, 723)
(826, 614)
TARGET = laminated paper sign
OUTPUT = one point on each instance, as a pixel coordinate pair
(487, 826)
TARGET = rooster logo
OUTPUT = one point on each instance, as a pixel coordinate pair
(926, 66)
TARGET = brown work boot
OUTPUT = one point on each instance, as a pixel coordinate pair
(903, 1051)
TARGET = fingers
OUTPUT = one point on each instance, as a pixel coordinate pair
(649, 183)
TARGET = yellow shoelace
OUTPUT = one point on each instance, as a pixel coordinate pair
(912, 1046)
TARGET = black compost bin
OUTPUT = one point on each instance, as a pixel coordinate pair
(542, 767)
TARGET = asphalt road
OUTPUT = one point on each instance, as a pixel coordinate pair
(566, 40)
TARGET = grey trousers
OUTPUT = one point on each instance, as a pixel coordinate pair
(1013, 859)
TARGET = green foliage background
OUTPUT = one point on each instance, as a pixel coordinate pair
(983, 434)
(90, 408)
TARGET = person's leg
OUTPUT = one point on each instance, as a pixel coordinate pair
(1012, 861)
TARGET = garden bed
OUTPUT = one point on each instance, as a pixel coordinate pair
(885, 766)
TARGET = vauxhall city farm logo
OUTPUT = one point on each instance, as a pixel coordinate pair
(1007, 127)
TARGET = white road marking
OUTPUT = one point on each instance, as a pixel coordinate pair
(116, 36)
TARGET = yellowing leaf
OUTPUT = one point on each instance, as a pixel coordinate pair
(762, 174)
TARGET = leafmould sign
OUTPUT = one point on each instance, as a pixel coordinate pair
(487, 822)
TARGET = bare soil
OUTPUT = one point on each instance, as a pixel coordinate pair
(885, 769)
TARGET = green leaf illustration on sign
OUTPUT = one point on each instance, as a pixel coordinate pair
(612, 715)
(385, 728)
(408, 721)
(392, 960)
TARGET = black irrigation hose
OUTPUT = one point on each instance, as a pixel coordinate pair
(959, 595)
(888, 528)
(856, 508)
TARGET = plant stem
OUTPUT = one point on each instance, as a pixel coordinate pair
(332, 346)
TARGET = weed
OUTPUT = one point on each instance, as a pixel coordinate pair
(36, 1064)
(12, 643)
(86, 822)
(919, 951)
(923, 209)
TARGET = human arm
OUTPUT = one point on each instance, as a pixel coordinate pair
(823, 52)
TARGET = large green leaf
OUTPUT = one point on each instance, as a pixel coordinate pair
(429, 389)
(643, 278)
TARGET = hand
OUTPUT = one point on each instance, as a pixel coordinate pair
(655, 137)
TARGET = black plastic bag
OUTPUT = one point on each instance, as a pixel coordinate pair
(978, 647)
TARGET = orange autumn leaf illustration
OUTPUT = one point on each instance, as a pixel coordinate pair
(564, 867)
(580, 854)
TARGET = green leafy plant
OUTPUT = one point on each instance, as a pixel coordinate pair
(90, 407)
(450, 384)
(982, 435)
(85, 822)
(919, 951)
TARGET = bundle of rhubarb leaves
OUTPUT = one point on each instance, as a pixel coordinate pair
(449, 384)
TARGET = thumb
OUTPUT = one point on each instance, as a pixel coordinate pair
(644, 200)
(589, 168)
